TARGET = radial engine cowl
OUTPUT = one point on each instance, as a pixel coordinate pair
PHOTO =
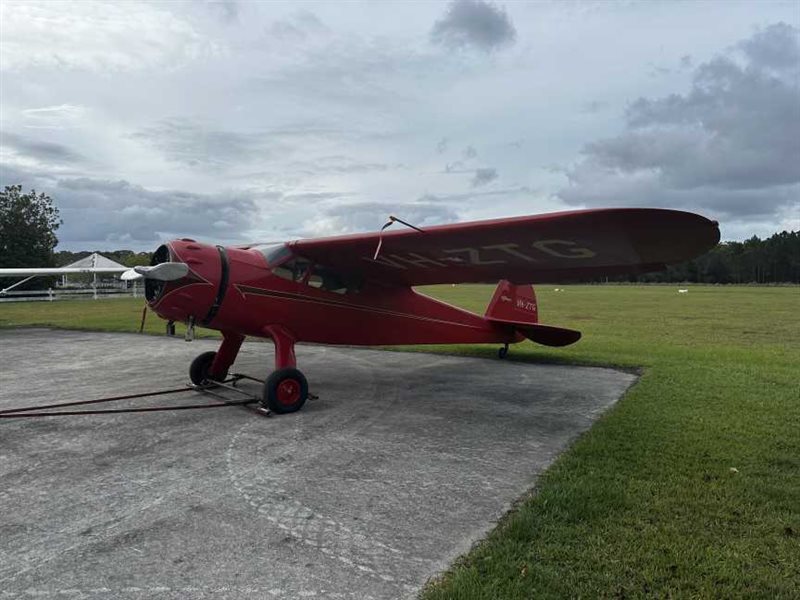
(192, 295)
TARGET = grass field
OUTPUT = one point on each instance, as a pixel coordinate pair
(689, 487)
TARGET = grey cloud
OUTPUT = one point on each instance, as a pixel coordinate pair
(774, 47)
(469, 152)
(594, 106)
(600, 188)
(369, 216)
(311, 197)
(226, 10)
(314, 167)
(345, 164)
(474, 23)
(483, 176)
(201, 146)
(347, 72)
(475, 196)
(731, 145)
(46, 152)
(441, 147)
(195, 145)
(659, 70)
(298, 27)
(95, 209)
(99, 211)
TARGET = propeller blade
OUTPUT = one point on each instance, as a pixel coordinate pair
(168, 271)
(130, 275)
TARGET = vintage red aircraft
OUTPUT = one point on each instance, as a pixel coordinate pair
(358, 289)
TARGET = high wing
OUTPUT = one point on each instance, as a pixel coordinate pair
(543, 248)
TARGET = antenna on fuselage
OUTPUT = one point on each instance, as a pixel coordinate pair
(392, 219)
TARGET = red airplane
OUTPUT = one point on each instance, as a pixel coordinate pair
(358, 289)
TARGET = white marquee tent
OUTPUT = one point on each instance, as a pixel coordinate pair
(93, 261)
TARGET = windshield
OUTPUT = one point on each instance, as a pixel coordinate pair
(274, 253)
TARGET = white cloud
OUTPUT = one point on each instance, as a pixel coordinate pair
(53, 117)
(96, 36)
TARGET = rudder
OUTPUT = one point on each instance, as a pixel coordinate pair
(513, 304)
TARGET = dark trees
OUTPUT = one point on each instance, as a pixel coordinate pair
(28, 224)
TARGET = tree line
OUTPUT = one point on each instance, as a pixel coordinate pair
(775, 259)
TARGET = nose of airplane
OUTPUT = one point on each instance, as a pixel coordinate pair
(188, 292)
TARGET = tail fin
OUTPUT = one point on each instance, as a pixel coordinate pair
(515, 305)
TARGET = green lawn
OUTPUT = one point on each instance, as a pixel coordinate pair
(689, 487)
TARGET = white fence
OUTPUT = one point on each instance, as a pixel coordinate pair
(53, 294)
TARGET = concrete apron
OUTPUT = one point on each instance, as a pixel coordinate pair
(404, 461)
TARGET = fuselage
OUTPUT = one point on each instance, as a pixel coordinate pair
(251, 290)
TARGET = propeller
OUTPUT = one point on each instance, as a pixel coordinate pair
(167, 271)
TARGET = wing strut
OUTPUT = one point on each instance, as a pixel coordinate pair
(388, 224)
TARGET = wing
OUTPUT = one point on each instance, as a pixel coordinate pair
(552, 247)
(59, 271)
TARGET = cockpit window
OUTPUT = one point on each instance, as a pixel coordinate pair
(274, 253)
(324, 279)
(300, 270)
(294, 269)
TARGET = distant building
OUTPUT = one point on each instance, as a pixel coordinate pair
(94, 260)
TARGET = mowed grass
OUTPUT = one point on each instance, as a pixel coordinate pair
(688, 487)
(110, 314)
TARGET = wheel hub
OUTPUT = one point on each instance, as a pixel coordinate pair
(288, 392)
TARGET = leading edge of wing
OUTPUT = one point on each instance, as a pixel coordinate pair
(548, 247)
(15, 272)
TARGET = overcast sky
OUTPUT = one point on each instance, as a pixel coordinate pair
(238, 121)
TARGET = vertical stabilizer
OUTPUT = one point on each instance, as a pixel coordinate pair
(513, 304)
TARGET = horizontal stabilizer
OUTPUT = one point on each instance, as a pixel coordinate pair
(548, 335)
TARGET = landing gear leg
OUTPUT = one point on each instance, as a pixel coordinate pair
(286, 388)
(503, 352)
(213, 366)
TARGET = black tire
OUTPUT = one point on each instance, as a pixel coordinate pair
(503, 352)
(285, 391)
(200, 367)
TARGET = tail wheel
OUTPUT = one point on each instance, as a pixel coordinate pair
(200, 369)
(285, 391)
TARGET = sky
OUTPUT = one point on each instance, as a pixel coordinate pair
(237, 121)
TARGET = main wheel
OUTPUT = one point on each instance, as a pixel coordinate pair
(285, 391)
(199, 371)
(503, 352)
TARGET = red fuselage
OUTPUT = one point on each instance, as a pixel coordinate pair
(237, 290)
